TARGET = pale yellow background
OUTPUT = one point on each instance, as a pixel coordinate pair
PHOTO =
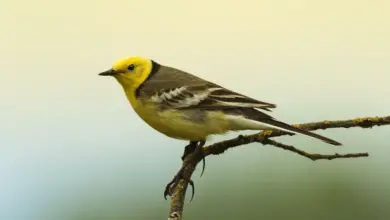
(71, 147)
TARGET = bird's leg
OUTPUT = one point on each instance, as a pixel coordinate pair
(189, 149)
(193, 147)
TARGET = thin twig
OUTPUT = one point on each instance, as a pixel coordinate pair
(190, 162)
(312, 156)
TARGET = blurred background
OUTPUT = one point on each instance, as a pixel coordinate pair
(71, 148)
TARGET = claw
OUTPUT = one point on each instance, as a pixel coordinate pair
(199, 147)
(167, 188)
(174, 182)
(193, 189)
(204, 165)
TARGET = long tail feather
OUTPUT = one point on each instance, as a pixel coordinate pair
(298, 130)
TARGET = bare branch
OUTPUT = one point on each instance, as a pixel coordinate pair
(190, 162)
(312, 156)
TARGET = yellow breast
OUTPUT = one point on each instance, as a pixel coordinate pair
(174, 124)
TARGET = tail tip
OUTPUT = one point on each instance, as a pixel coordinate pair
(335, 143)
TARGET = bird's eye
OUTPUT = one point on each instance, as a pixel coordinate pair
(131, 67)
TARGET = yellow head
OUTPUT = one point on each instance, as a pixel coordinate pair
(130, 72)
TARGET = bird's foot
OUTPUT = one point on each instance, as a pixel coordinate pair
(192, 148)
(175, 181)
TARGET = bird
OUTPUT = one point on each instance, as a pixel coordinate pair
(183, 106)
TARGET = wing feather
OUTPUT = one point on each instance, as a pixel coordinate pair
(174, 88)
(206, 97)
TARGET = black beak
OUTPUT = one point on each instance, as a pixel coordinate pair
(109, 72)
